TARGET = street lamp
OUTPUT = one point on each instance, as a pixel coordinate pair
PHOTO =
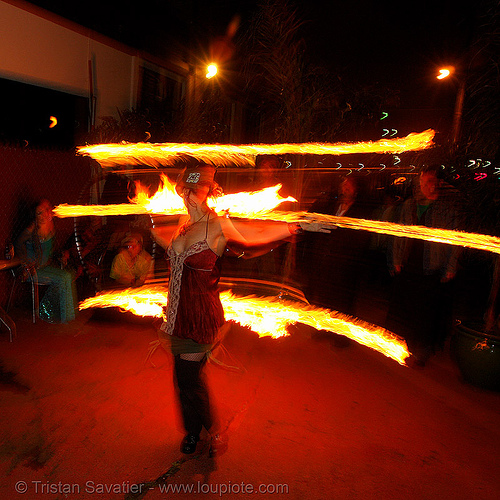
(459, 101)
(211, 70)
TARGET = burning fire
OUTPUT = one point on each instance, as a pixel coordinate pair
(261, 205)
(156, 155)
(167, 202)
(141, 301)
(448, 236)
(271, 316)
(264, 315)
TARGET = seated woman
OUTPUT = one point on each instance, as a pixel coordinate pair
(133, 264)
(36, 248)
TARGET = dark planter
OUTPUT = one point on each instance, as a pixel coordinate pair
(477, 355)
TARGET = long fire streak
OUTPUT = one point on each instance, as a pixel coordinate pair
(167, 202)
(158, 154)
(448, 236)
(264, 315)
(459, 238)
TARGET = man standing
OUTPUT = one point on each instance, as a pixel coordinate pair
(420, 309)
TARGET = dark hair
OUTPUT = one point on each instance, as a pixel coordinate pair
(351, 178)
(433, 169)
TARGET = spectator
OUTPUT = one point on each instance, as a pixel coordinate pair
(335, 262)
(420, 309)
(133, 264)
(36, 247)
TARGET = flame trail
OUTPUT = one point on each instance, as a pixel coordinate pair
(167, 202)
(266, 316)
(158, 154)
(141, 301)
(447, 236)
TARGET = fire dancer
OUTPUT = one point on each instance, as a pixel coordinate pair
(194, 317)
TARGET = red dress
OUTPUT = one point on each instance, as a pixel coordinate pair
(194, 309)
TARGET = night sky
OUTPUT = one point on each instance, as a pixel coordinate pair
(394, 43)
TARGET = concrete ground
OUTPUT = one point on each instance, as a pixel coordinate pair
(84, 415)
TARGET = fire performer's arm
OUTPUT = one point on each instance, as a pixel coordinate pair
(249, 234)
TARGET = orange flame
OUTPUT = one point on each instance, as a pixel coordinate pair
(167, 202)
(264, 315)
(448, 236)
(141, 301)
(261, 204)
(250, 204)
(156, 155)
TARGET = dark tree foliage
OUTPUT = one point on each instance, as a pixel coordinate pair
(477, 155)
(299, 101)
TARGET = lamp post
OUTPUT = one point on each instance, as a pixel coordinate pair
(196, 87)
(459, 102)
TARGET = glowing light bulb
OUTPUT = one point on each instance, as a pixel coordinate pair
(211, 70)
(444, 73)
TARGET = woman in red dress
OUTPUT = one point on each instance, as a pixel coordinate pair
(194, 316)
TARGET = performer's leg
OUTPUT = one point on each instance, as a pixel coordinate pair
(193, 395)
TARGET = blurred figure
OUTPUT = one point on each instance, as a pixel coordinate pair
(381, 245)
(266, 169)
(420, 309)
(267, 266)
(133, 264)
(84, 257)
(36, 247)
(335, 262)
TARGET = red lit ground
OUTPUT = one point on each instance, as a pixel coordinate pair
(83, 411)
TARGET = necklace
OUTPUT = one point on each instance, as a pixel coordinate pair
(187, 227)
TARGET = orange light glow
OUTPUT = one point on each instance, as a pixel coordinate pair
(250, 204)
(142, 301)
(444, 73)
(448, 236)
(156, 155)
(261, 204)
(267, 316)
(211, 71)
(167, 202)
(53, 121)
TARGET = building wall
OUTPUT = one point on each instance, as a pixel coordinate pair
(43, 49)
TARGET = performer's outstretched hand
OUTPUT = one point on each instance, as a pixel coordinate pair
(314, 227)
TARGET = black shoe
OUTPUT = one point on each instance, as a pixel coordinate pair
(188, 444)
